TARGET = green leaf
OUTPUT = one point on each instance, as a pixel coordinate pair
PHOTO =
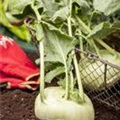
(62, 83)
(13, 20)
(103, 29)
(82, 3)
(61, 15)
(49, 7)
(116, 25)
(3, 18)
(18, 6)
(108, 7)
(56, 10)
(53, 73)
(39, 3)
(63, 12)
(56, 69)
(57, 45)
(20, 31)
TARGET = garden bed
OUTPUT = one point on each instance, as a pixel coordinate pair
(19, 105)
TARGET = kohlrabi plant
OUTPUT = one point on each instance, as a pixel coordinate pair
(52, 24)
(94, 25)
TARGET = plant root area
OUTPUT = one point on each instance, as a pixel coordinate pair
(19, 105)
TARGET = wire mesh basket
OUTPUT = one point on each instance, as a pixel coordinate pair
(101, 79)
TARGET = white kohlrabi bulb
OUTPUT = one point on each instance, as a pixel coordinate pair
(55, 107)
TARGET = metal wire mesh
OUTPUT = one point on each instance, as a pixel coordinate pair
(101, 79)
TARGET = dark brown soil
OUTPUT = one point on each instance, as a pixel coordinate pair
(19, 105)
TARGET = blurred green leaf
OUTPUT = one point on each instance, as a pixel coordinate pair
(18, 6)
(19, 31)
(82, 3)
(108, 7)
(103, 29)
(53, 73)
(57, 45)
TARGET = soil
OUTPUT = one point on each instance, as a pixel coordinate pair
(19, 105)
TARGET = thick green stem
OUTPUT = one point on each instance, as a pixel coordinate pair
(88, 30)
(81, 45)
(91, 18)
(42, 82)
(96, 48)
(72, 81)
(83, 24)
(36, 11)
(41, 51)
(66, 70)
(81, 48)
(85, 39)
(69, 26)
(67, 83)
(81, 93)
(91, 43)
(107, 47)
